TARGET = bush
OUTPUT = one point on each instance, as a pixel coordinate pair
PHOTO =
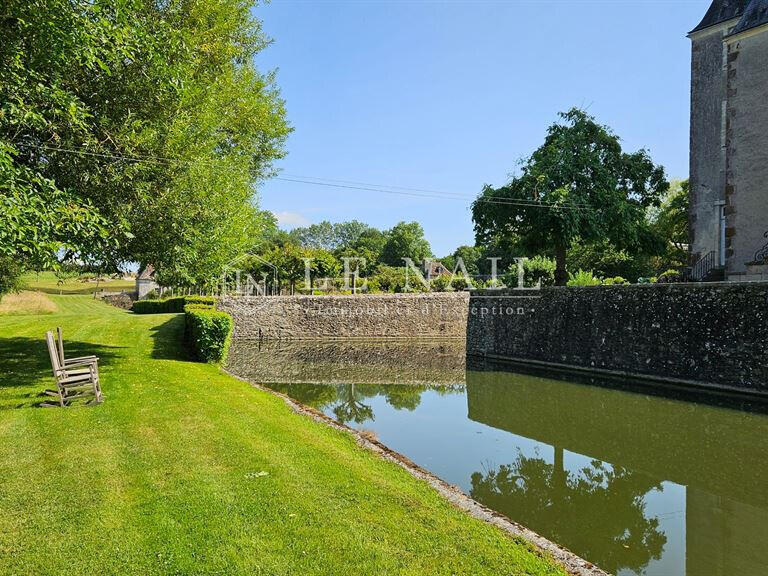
(670, 277)
(171, 305)
(206, 300)
(536, 268)
(615, 281)
(151, 295)
(441, 284)
(583, 278)
(208, 332)
(460, 284)
(391, 279)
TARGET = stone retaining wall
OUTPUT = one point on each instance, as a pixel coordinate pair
(440, 315)
(712, 334)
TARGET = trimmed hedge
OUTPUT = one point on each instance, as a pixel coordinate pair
(171, 305)
(208, 332)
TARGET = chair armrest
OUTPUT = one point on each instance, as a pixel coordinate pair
(90, 362)
(68, 361)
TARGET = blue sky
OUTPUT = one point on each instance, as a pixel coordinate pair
(449, 96)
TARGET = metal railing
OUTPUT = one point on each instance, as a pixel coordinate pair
(703, 267)
(762, 254)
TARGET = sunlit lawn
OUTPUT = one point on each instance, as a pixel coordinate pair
(185, 470)
(48, 282)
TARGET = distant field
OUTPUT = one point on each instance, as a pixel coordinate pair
(48, 283)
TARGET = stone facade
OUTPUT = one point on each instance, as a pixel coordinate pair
(729, 134)
(441, 315)
(707, 334)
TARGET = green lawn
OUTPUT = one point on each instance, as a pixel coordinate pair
(48, 283)
(185, 470)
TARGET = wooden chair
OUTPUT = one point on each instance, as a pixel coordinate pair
(68, 361)
(79, 378)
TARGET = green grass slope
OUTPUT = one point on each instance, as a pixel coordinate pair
(185, 470)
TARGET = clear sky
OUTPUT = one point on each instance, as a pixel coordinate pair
(449, 96)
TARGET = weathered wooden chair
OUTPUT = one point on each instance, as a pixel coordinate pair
(67, 361)
(79, 378)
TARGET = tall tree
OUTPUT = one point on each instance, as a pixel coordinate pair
(578, 185)
(149, 117)
(405, 240)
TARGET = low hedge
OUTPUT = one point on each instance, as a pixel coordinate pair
(170, 305)
(208, 332)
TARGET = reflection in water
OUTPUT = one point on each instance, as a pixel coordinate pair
(638, 484)
(598, 509)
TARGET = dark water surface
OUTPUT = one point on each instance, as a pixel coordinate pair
(636, 483)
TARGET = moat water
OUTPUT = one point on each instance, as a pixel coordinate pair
(634, 482)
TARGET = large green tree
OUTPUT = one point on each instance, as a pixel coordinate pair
(405, 240)
(147, 119)
(579, 184)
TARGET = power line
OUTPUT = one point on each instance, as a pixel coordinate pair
(332, 183)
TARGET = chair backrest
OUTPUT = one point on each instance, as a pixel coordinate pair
(61, 345)
(53, 353)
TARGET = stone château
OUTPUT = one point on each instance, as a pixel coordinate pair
(729, 141)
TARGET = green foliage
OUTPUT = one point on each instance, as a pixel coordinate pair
(393, 279)
(583, 278)
(405, 240)
(670, 276)
(606, 260)
(134, 131)
(615, 281)
(164, 306)
(441, 284)
(578, 184)
(208, 332)
(472, 256)
(670, 222)
(535, 269)
(10, 275)
(460, 283)
(328, 236)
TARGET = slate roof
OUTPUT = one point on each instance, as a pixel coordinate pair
(148, 273)
(721, 11)
(755, 15)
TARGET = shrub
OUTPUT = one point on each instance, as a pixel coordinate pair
(206, 300)
(441, 284)
(537, 268)
(151, 295)
(460, 283)
(208, 332)
(615, 281)
(583, 278)
(670, 277)
(166, 306)
(171, 305)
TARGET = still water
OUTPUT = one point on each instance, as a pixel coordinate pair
(636, 483)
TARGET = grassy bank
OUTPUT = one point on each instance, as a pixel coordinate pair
(185, 470)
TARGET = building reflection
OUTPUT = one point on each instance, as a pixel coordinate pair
(636, 442)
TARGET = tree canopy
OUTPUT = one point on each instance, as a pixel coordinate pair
(134, 131)
(579, 184)
(405, 240)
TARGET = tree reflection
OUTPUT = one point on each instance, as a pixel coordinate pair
(597, 511)
(350, 407)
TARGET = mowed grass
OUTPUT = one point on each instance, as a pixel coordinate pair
(185, 470)
(48, 282)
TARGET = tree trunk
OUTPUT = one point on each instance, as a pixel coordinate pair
(561, 276)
